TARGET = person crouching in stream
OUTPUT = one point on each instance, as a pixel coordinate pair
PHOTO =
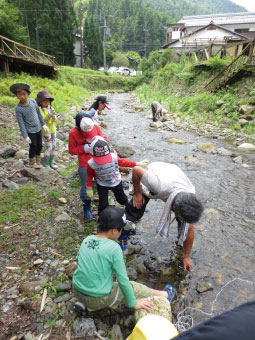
(168, 183)
(99, 259)
(79, 139)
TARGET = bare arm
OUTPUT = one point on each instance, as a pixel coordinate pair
(188, 243)
(137, 175)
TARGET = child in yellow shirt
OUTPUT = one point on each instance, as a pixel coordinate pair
(44, 101)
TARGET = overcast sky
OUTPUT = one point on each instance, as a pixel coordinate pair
(248, 4)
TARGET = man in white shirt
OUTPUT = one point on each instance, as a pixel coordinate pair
(167, 182)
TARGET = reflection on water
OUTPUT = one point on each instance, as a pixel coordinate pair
(224, 238)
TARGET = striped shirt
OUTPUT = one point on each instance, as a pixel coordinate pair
(107, 174)
(29, 118)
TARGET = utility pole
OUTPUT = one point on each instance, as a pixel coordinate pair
(145, 38)
(105, 27)
(37, 38)
(81, 35)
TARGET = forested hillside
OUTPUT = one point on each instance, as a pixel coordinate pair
(53, 25)
(177, 9)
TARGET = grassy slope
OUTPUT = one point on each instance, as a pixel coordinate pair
(181, 89)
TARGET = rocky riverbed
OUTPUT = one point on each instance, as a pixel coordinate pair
(43, 226)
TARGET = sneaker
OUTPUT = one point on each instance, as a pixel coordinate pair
(80, 308)
(171, 291)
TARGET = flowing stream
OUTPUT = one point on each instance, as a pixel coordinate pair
(223, 249)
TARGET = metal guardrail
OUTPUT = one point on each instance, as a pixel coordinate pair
(11, 48)
(235, 67)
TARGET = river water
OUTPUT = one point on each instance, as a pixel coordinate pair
(223, 249)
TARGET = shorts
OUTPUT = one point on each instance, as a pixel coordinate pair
(114, 298)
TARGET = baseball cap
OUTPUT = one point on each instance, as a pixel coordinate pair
(19, 87)
(100, 152)
(112, 218)
(103, 99)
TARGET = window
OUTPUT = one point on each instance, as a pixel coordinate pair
(242, 30)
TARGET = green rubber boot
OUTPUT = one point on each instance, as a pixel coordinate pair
(46, 162)
(52, 165)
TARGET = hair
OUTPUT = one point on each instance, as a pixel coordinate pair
(102, 228)
(22, 90)
(188, 207)
(95, 105)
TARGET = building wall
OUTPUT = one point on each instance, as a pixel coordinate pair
(230, 27)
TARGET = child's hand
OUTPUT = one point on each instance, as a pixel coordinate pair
(144, 162)
(90, 192)
(28, 140)
(87, 148)
(144, 303)
(46, 129)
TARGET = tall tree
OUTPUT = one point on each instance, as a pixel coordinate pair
(11, 24)
(93, 46)
(56, 25)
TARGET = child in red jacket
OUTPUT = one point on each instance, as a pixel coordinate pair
(79, 139)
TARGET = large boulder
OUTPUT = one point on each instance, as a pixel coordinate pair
(161, 307)
(247, 146)
(41, 175)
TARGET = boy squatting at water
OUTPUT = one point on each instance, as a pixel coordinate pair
(99, 258)
(167, 182)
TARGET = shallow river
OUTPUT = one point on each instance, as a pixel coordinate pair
(223, 249)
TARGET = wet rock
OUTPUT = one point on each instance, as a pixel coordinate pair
(224, 152)
(203, 287)
(176, 141)
(41, 175)
(167, 274)
(116, 333)
(156, 125)
(132, 274)
(238, 160)
(70, 269)
(33, 286)
(137, 265)
(64, 217)
(10, 185)
(247, 146)
(21, 154)
(84, 327)
(207, 148)
(124, 151)
(161, 307)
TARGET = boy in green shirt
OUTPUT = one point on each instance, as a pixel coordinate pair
(99, 258)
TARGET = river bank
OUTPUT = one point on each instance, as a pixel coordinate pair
(43, 224)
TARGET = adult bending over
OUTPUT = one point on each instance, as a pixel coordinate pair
(167, 182)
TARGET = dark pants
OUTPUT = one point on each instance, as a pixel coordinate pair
(119, 194)
(35, 147)
(153, 113)
(133, 214)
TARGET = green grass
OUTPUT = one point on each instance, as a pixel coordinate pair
(70, 87)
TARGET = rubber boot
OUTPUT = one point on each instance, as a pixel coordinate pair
(86, 209)
(32, 162)
(38, 162)
(46, 162)
(52, 165)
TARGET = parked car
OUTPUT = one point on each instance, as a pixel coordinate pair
(124, 71)
(113, 69)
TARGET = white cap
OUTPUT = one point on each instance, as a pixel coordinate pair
(86, 124)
